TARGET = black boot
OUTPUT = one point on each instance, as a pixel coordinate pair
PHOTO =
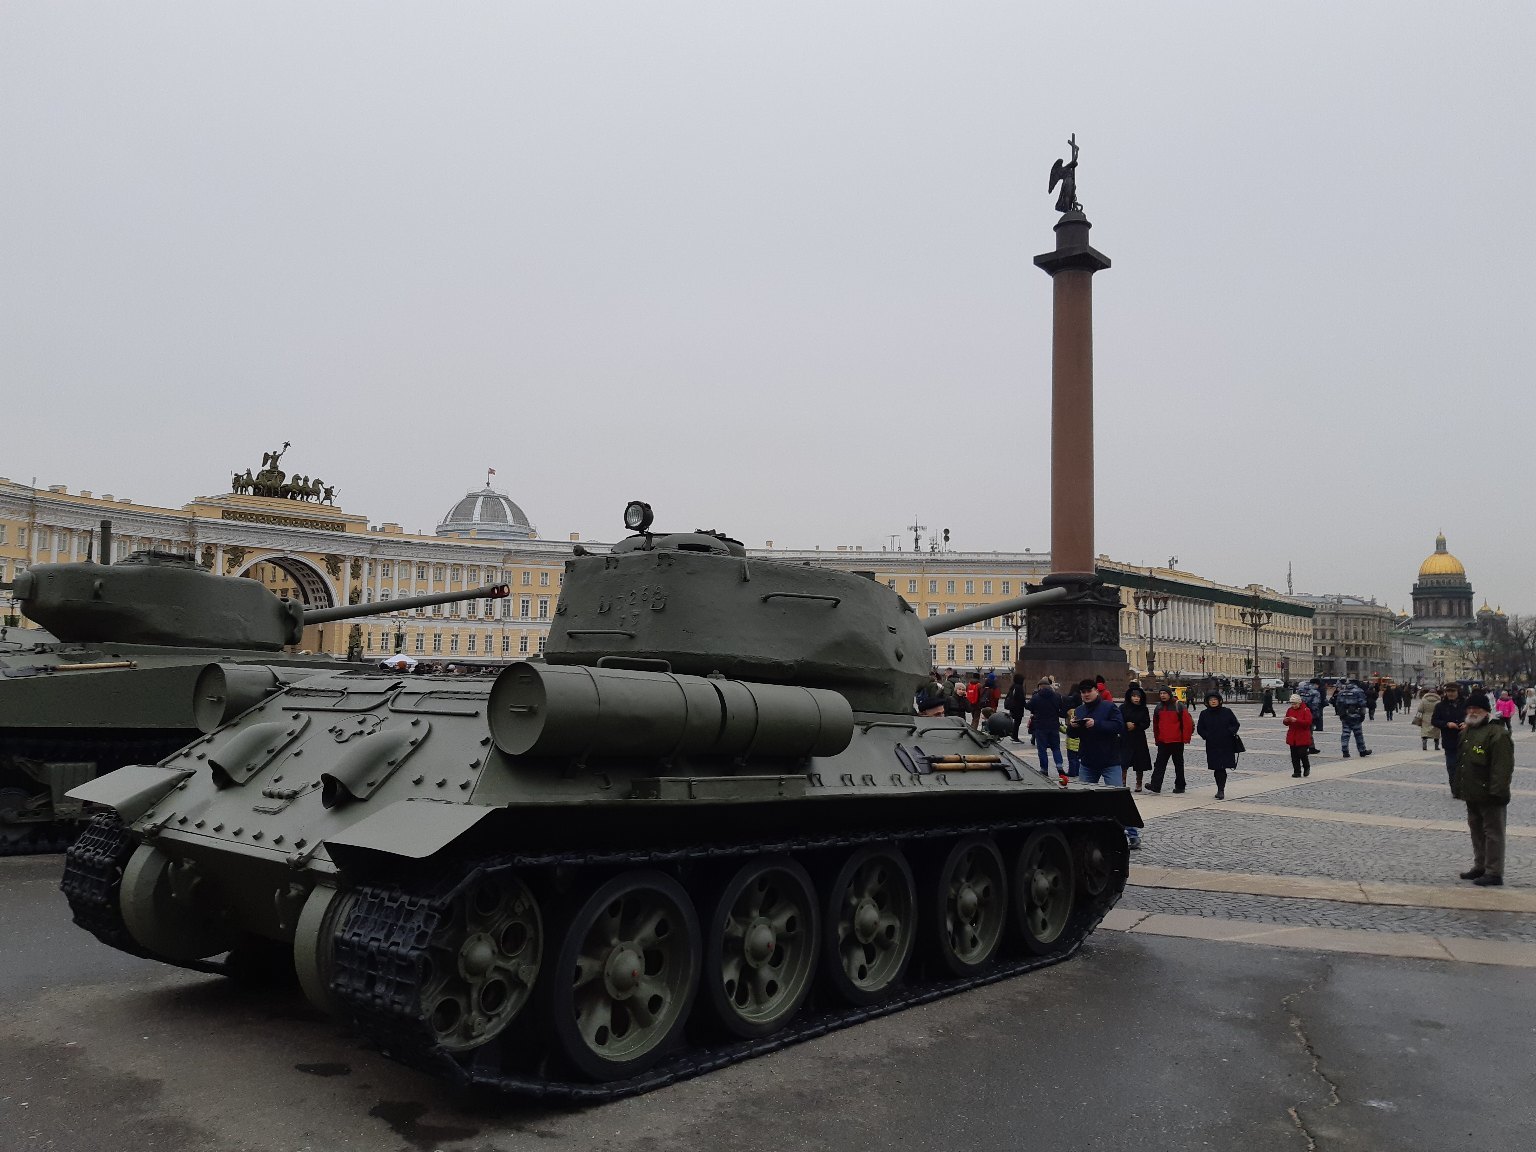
(1295, 773)
(1365, 752)
(1473, 873)
(1489, 881)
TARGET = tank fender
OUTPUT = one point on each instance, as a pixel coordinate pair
(413, 829)
(130, 791)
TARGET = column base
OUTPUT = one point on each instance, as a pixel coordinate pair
(1077, 638)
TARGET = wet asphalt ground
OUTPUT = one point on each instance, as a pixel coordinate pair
(1136, 1043)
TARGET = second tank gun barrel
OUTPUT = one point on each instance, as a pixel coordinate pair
(933, 625)
(378, 607)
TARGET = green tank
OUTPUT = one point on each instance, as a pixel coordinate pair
(709, 823)
(113, 683)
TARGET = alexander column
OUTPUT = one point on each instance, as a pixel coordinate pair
(1079, 637)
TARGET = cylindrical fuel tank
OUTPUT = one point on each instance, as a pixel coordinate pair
(574, 710)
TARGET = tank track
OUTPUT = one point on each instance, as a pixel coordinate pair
(93, 877)
(380, 961)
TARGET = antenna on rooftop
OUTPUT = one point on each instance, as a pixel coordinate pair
(917, 531)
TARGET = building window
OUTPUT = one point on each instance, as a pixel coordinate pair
(986, 587)
(891, 584)
(421, 642)
(527, 578)
(472, 574)
(506, 609)
(506, 645)
(543, 579)
(949, 586)
(524, 607)
(933, 609)
(911, 584)
(386, 569)
(453, 642)
(1007, 587)
(471, 609)
(453, 611)
(986, 653)
(949, 652)
(368, 642)
(3, 529)
(437, 609)
(421, 571)
(437, 572)
(933, 585)
(471, 642)
(970, 587)
(522, 643)
(933, 653)
(1007, 652)
(437, 642)
(542, 639)
(543, 608)
(970, 653)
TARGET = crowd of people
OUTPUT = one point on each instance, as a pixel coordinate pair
(1083, 734)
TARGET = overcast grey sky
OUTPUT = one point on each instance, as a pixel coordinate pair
(768, 267)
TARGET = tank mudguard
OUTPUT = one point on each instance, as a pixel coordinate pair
(130, 791)
(413, 829)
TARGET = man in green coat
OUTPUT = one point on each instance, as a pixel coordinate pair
(1485, 764)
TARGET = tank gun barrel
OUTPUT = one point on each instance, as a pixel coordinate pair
(933, 625)
(379, 607)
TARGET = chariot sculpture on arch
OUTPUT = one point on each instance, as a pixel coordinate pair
(273, 483)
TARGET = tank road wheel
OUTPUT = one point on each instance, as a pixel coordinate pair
(483, 958)
(761, 946)
(1094, 865)
(967, 900)
(169, 909)
(314, 944)
(871, 918)
(1044, 892)
(627, 972)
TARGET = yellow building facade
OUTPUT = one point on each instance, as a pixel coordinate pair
(323, 555)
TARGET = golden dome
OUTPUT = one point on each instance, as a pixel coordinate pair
(1441, 562)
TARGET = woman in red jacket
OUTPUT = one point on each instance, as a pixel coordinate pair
(1298, 735)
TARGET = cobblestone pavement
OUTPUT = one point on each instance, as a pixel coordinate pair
(1519, 926)
(1364, 797)
(1224, 837)
(1281, 845)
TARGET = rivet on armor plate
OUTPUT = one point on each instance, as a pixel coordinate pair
(465, 784)
(258, 834)
(442, 782)
(278, 839)
(300, 842)
(417, 779)
(218, 827)
(237, 831)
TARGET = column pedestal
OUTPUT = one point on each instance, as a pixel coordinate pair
(1077, 638)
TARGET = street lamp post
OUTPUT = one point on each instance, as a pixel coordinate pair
(1255, 616)
(1151, 603)
(1015, 620)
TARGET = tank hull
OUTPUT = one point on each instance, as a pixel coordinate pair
(426, 885)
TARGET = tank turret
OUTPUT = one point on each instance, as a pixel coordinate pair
(165, 598)
(696, 603)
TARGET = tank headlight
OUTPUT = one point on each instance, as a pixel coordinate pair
(637, 516)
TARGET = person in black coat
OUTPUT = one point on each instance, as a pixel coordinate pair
(1138, 719)
(1046, 708)
(1218, 727)
(1016, 703)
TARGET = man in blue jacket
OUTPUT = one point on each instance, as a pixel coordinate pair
(1098, 726)
(1045, 710)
